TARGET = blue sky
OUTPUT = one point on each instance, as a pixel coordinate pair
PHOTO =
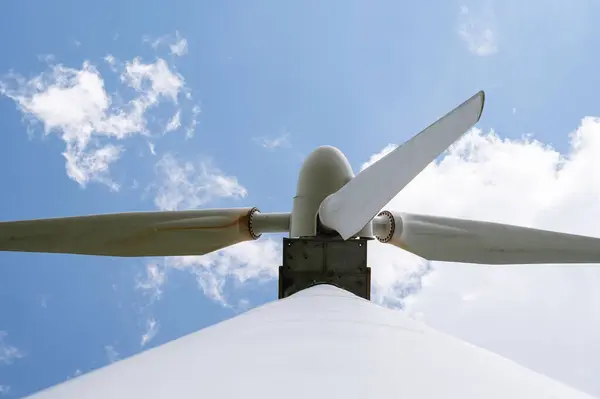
(256, 86)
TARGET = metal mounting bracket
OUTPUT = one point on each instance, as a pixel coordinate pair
(324, 260)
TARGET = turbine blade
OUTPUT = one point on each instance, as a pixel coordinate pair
(469, 241)
(132, 234)
(349, 209)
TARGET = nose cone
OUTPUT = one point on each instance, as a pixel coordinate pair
(324, 172)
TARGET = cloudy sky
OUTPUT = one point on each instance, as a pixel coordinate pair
(111, 107)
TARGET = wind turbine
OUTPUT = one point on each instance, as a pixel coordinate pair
(323, 338)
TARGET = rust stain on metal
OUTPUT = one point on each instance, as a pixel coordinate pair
(244, 222)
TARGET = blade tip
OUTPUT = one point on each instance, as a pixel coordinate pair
(481, 94)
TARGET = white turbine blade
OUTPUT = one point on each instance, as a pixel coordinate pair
(339, 345)
(349, 209)
(469, 241)
(132, 234)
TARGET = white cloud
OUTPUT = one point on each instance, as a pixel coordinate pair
(376, 157)
(151, 331)
(155, 278)
(177, 44)
(174, 123)
(110, 59)
(74, 104)
(180, 47)
(545, 317)
(93, 164)
(477, 30)
(282, 141)
(111, 353)
(47, 58)
(8, 353)
(152, 80)
(152, 148)
(184, 185)
(190, 130)
(240, 263)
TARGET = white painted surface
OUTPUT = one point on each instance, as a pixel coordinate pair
(323, 172)
(167, 233)
(320, 343)
(470, 241)
(354, 205)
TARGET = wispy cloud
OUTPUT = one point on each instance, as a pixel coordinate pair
(185, 185)
(76, 373)
(191, 128)
(44, 301)
(111, 353)
(152, 148)
(238, 264)
(152, 81)
(283, 141)
(174, 123)
(153, 281)
(180, 47)
(151, 331)
(177, 44)
(4, 390)
(477, 30)
(74, 104)
(8, 353)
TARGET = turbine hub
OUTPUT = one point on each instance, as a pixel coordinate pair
(323, 172)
